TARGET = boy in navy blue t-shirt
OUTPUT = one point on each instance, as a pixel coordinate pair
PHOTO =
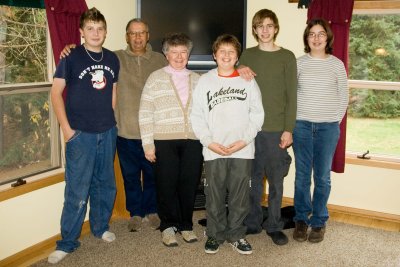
(88, 126)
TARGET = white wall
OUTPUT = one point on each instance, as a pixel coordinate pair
(117, 14)
(361, 187)
(34, 217)
(292, 22)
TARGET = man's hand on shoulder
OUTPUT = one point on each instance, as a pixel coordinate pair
(67, 50)
(246, 73)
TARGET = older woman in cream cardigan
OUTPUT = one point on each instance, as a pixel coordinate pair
(168, 139)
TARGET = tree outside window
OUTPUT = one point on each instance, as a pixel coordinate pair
(24, 125)
(374, 114)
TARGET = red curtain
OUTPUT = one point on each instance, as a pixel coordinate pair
(338, 13)
(63, 20)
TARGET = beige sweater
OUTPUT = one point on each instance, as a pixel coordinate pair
(134, 71)
(161, 114)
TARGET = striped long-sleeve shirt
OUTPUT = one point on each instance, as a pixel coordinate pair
(322, 90)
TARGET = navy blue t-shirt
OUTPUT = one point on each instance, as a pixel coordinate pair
(90, 84)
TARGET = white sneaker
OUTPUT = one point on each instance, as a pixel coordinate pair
(169, 238)
(56, 256)
(189, 236)
(108, 236)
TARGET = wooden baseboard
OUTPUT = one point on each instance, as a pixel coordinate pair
(361, 217)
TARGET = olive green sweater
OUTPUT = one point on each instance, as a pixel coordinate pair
(277, 78)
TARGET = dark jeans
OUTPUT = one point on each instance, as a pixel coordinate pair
(177, 170)
(89, 175)
(314, 145)
(140, 198)
(273, 162)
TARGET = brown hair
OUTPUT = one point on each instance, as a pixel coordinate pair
(258, 19)
(329, 35)
(92, 15)
(227, 39)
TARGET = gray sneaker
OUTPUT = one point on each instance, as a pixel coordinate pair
(189, 236)
(154, 220)
(135, 224)
(169, 238)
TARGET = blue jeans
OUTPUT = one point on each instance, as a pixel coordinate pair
(314, 145)
(89, 174)
(140, 201)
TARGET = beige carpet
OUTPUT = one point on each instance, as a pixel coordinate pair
(344, 245)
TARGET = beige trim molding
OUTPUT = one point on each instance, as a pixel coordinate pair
(31, 186)
(371, 4)
(373, 163)
(286, 201)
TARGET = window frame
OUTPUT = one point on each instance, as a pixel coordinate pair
(52, 175)
(372, 7)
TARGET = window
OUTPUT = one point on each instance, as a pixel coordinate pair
(29, 142)
(374, 108)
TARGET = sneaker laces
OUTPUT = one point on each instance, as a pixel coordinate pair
(212, 241)
(243, 242)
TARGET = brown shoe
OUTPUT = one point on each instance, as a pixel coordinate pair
(135, 224)
(154, 220)
(300, 231)
(316, 234)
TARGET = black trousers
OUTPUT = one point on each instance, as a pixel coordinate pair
(177, 172)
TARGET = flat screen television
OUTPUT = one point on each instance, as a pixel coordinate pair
(202, 20)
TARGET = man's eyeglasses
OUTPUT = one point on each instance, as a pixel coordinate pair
(141, 34)
(320, 35)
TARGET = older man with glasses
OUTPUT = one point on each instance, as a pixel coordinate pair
(137, 61)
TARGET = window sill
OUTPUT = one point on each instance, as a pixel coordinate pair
(353, 160)
(33, 183)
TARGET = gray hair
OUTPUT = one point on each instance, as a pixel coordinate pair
(137, 20)
(176, 39)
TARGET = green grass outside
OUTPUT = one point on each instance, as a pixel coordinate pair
(379, 136)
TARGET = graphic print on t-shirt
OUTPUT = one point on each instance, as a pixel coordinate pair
(98, 79)
(224, 95)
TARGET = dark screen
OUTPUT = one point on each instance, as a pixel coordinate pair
(202, 20)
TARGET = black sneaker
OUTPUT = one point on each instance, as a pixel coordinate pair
(279, 238)
(211, 246)
(242, 246)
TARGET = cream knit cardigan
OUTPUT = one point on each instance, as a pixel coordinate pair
(161, 114)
